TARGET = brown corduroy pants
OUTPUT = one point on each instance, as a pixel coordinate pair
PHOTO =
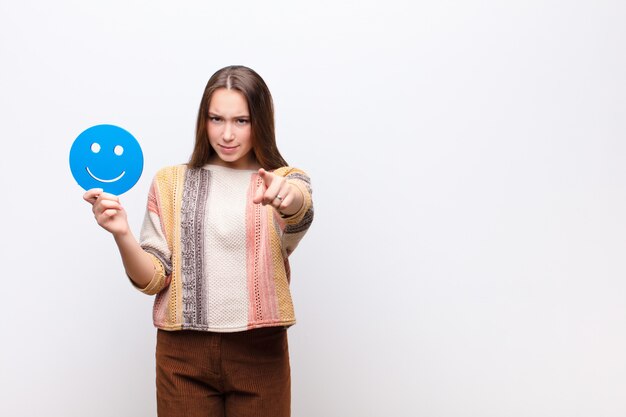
(242, 374)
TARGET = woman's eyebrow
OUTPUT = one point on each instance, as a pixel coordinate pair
(243, 116)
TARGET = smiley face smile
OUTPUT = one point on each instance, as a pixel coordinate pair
(101, 180)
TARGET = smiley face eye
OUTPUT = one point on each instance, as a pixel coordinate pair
(118, 150)
(95, 147)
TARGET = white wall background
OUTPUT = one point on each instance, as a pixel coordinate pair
(469, 250)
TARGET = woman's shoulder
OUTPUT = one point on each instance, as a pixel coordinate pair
(293, 173)
(171, 170)
(170, 174)
(289, 170)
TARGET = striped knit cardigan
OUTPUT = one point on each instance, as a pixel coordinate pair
(173, 235)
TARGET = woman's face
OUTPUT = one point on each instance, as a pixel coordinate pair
(228, 127)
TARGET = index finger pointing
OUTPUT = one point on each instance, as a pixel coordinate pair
(266, 176)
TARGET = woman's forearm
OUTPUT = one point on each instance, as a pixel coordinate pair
(137, 262)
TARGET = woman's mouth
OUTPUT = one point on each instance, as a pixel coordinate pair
(228, 149)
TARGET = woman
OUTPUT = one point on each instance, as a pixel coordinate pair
(214, 249)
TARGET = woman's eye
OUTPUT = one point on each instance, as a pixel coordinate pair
(215, 119)
(242, 121)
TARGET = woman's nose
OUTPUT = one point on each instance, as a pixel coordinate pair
(228, 133)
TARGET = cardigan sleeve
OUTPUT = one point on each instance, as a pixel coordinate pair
(153, 241)
(297, 224)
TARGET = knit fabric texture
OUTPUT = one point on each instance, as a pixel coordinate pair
(220, 261)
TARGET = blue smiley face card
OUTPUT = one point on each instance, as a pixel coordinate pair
(107, 157)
